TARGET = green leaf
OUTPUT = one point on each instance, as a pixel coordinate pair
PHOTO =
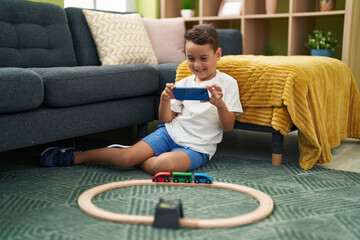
(321, 40)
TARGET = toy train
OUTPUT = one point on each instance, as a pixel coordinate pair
(182, 177)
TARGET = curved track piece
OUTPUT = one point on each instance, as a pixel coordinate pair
(262, 211)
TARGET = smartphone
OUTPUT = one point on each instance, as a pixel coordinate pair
(191, 93)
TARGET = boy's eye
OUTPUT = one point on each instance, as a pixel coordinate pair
(190, 59)
(203, 59)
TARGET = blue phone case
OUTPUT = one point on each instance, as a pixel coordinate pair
(191, 93)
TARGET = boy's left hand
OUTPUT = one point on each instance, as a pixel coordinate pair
(216, 95)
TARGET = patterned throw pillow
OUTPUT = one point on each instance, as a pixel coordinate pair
(120, 38)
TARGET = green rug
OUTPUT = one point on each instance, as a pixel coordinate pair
(41, 203)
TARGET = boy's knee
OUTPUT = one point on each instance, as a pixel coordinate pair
(127, 159)
(163, 165)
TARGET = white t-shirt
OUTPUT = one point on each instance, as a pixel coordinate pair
(196, 125)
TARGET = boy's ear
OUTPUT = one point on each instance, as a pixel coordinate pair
(218, 54)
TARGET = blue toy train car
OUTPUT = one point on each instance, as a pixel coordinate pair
(182, 177)
(202, 178)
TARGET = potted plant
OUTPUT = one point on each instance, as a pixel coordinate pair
(268, 51)
(186, 9)
(321, 43)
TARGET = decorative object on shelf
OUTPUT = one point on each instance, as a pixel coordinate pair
(326, 5)
(321, 43)
(321, 52)
(270, 6)
(186, 9)
(230, 8)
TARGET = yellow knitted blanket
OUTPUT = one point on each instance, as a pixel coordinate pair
(317, 94)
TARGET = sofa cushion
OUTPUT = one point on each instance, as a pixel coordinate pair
(34, 35)
(20, 90)
(228, 38)
(85, 48)
(167, 38)
(89, 84)
(167, 74)
(120, 38)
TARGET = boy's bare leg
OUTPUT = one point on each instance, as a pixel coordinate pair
(122, 157)
(176, 161)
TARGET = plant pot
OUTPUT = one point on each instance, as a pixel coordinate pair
(326, 5)
(187, 13)
(321, 52)
(270, 6)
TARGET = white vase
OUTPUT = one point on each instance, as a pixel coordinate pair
(270, 6)
(187, 13)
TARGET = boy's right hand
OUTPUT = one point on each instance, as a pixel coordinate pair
(166, 115)
(168, 94)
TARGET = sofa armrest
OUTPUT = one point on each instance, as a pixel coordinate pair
(20, 90)
(230, 41)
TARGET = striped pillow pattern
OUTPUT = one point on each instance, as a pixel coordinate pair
(120, 38)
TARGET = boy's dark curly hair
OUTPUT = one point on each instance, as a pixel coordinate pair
(203, 34)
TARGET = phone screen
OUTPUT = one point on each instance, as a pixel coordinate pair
(194, 94)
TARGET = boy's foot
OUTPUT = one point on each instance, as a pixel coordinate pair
(57, 157)
(117, 146)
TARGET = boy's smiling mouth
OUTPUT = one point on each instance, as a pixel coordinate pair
(200, 70)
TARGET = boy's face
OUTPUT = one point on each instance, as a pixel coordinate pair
(202, 60)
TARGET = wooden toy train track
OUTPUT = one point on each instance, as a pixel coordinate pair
(262, 211)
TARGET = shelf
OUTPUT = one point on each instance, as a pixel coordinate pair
(192, 19)
(222, 18)
(285, 31)
(265, 16)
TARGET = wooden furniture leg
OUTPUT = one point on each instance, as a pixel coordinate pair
(276, 142)
(276, 159)
(277, 148)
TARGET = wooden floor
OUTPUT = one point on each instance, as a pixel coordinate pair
(346, 156)
(257, 146)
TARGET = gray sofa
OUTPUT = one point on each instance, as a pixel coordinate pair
(53, 87)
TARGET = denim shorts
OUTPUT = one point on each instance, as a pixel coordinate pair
(161, 142)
